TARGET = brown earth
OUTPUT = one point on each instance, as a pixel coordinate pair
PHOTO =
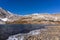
(23, 21)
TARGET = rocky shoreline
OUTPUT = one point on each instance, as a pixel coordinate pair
(48, 33)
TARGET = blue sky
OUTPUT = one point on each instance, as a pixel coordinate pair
(31, 6)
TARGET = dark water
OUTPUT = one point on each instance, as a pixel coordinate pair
(12, 29)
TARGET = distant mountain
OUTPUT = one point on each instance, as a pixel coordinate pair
(3, 13)
(7, 16)
(38, 19)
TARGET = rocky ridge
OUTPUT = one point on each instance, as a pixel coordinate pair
(7, 16)
(38, 19)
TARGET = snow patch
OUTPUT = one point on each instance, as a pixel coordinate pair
(4, 19)
(16, 37)
(35, 14)
(9, 12)
(21, 36)
(34, 32)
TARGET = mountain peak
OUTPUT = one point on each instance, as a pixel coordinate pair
(1, 8)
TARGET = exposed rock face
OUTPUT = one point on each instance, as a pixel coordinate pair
(2, 22)
(3, 13)
(7, 16)
(49, 33)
